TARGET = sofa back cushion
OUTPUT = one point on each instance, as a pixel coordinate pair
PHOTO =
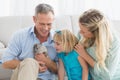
(10, 24)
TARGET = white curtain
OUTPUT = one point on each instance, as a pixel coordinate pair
(61, 7)
(23, 7)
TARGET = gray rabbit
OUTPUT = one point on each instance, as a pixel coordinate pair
(40, 49)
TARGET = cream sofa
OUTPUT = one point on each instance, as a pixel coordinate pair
(10, 24)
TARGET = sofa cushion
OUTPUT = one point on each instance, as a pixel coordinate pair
(10, 24)
(2, 49)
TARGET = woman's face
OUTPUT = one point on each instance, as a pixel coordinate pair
(85, 32)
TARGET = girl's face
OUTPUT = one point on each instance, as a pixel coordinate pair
(85, 32)
(58, 46)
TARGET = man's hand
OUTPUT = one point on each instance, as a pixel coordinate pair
(49, 64)
(42, 66)
(40, 57)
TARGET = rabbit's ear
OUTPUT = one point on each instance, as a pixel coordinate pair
(40, 44)
(35, 48)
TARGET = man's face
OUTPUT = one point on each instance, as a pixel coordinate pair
(43, 23)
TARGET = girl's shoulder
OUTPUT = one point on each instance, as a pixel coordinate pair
(72, 53)
(60, 55)
(75, 53)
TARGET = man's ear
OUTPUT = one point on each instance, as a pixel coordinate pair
(34, 19)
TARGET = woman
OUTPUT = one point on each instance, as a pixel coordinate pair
(99, 46)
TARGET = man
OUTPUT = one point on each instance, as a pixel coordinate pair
(19, 53)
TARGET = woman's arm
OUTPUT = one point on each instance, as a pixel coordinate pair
(61, 71)
(84, 67)
(99, 72)
(112, 61)
(82, 52)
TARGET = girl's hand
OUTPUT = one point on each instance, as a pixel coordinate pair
(79, 48)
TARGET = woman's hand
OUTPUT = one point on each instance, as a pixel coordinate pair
(79, 48)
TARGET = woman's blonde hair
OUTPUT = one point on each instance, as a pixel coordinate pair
(67, 39)
(98, 25)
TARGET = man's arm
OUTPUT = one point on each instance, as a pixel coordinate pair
(13, 50)
(12, 64)
(48, 62)
(51, 65)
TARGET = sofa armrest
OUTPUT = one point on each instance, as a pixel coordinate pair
(2, 50)
(5, 74)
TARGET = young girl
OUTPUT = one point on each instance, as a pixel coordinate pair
(69, 61)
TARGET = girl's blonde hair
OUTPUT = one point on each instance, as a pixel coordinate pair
(67, 39)
(98, 25)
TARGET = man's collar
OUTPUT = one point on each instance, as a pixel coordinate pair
(32, 29)
(51, 35)
(50, 38)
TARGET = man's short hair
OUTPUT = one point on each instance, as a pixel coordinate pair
(43, 8)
